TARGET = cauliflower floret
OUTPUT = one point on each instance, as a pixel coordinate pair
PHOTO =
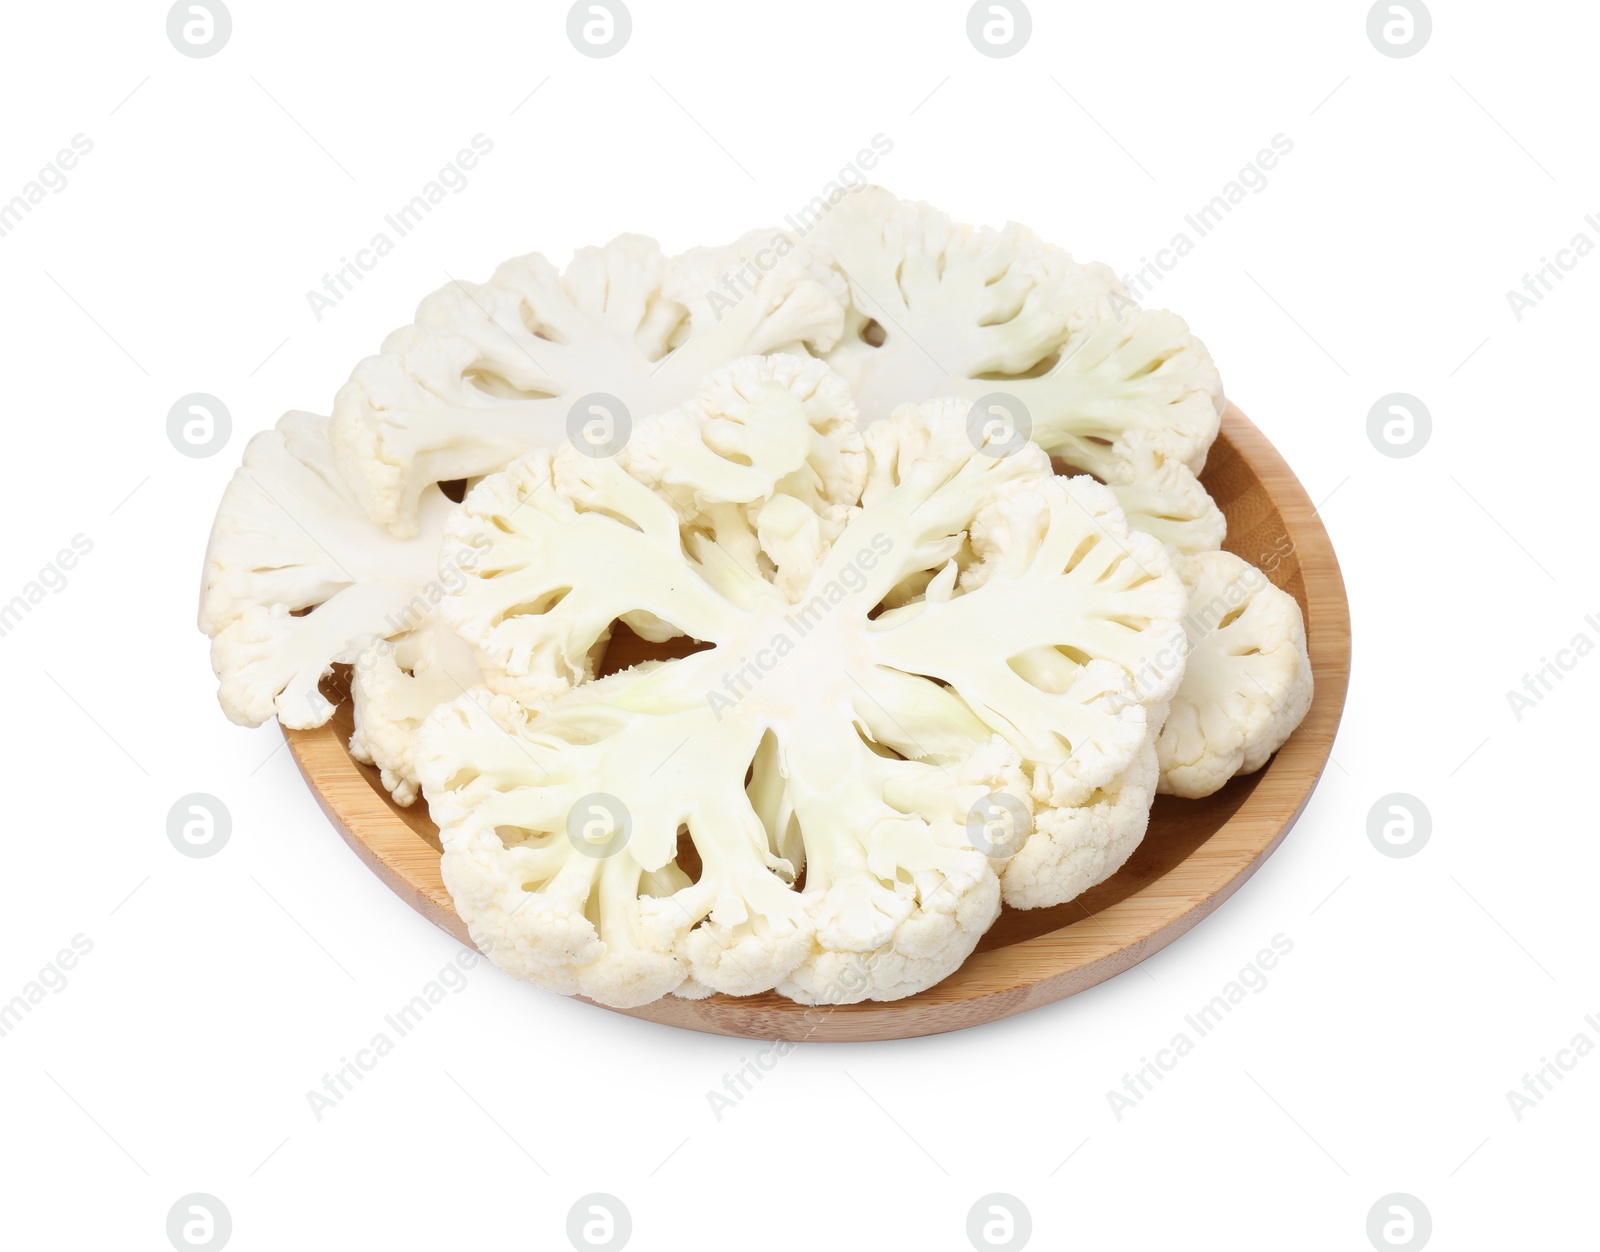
(1073, 848)
(1247, 683)
(1161, 496)
(823, 756)
(797, 483)
(394, 685)
(489, 370)
(270, 663)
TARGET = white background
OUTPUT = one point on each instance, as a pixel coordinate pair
(1419, 990)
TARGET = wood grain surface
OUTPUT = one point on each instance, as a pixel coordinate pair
(1195, 855)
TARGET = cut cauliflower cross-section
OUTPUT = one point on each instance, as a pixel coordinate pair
(755, 479)
(1247, 683)
(904, 625)
(939, 308)
(298, 579)
(489, 370)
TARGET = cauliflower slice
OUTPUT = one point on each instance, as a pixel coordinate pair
(824, 756)
(489, 370)
(1247, 683)
(939, 308)
(298, 579)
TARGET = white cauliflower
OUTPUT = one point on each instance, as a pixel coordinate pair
(748, 487)
(1162, 497)
(939, 308)
(1247, 683)
(489, 370)
(875, 678)
(298, 579)
(1075, 847)
(393, 686)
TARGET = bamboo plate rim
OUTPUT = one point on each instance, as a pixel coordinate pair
(1001, 981)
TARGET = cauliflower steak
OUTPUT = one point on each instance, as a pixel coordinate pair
(907, 628)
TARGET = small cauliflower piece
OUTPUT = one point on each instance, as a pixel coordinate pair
(903, 625)
(394, 685)
(1162, 497)
(489, 370)
(297, 577)
(1247, 683)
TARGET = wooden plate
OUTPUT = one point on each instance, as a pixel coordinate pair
(1195, 855)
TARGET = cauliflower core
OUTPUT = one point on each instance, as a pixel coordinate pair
(909, 628)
